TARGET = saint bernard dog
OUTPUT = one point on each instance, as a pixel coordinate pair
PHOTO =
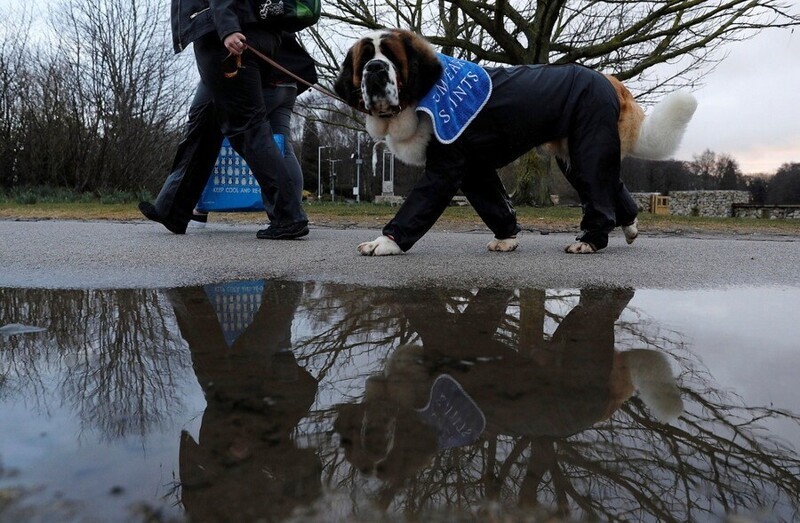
(463, 121)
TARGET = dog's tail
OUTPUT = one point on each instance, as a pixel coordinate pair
(663, 127)
(652, 377)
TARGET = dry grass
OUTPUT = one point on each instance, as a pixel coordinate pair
(366, 215)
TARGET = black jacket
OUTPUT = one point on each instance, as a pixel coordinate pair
(192, 19)
(293, 57)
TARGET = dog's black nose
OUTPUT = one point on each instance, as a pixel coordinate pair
(375, 66)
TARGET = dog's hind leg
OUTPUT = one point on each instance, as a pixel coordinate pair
(631, 231)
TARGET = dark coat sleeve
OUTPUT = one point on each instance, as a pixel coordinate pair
(226, 19)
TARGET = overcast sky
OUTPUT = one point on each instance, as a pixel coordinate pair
(749, 106)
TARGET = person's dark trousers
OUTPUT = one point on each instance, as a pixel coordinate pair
(194, 161)
(198, 152)
(279, 101)
(594, 170)
(433, 192)
(242, 117)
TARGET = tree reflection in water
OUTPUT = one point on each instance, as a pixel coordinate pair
(574, 392)
(113, 356)
(563, 432)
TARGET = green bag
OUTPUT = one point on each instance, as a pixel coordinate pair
(290, 15)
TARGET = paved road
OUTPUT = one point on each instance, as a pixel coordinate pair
(71, 254)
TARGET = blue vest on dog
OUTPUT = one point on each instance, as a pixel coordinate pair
(457, 98)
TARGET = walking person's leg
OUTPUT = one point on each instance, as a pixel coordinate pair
(194, 160)
(279, 101)
(242, 117)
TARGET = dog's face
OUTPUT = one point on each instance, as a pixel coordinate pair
(387, 71)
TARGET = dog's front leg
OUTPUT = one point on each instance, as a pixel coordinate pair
(381, 246)
(580, 248)
(503, 245)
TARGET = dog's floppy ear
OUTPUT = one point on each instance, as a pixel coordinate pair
(344, 83)
(424, 69)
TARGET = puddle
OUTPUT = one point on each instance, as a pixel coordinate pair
(275, 400)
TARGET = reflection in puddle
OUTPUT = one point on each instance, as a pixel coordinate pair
(272, 399)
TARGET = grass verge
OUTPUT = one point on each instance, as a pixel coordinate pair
(373, 216)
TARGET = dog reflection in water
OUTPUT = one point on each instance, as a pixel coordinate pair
(463, 385)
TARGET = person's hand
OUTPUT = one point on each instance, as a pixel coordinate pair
(234, 42)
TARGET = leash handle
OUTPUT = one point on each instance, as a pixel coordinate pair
(281, 68)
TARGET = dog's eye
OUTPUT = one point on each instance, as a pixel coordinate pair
(389, 54)
(367, 54)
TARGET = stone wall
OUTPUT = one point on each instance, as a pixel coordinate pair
(705, 203)
(767, 212)
(642, 199)
(697, 203)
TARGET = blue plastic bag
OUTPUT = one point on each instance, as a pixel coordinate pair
(232, 186)
(236, 304)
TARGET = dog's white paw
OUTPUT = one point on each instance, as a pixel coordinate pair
(580, 248)
(504, 245)
(381, 246)
(631, 231)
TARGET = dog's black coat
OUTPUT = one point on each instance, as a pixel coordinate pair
(530, 105)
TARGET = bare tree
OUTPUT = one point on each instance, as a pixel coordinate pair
(110, 356)
(784, 187)
(14, 71)
(627, 39)
(658, 45)
(126, 87)
(94, 101)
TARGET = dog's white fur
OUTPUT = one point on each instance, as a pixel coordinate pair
(380, 246)
(504, 245)
(407, 135)
(631, 232)
(654, 136)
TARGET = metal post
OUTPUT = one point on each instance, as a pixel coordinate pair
(359, 161)
(319, 170)
(333, 178)
(387, 185)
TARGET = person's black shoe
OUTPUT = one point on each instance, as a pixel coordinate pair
(289, 232)
(149, 211)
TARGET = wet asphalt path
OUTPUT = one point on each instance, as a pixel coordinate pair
(72, 254)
